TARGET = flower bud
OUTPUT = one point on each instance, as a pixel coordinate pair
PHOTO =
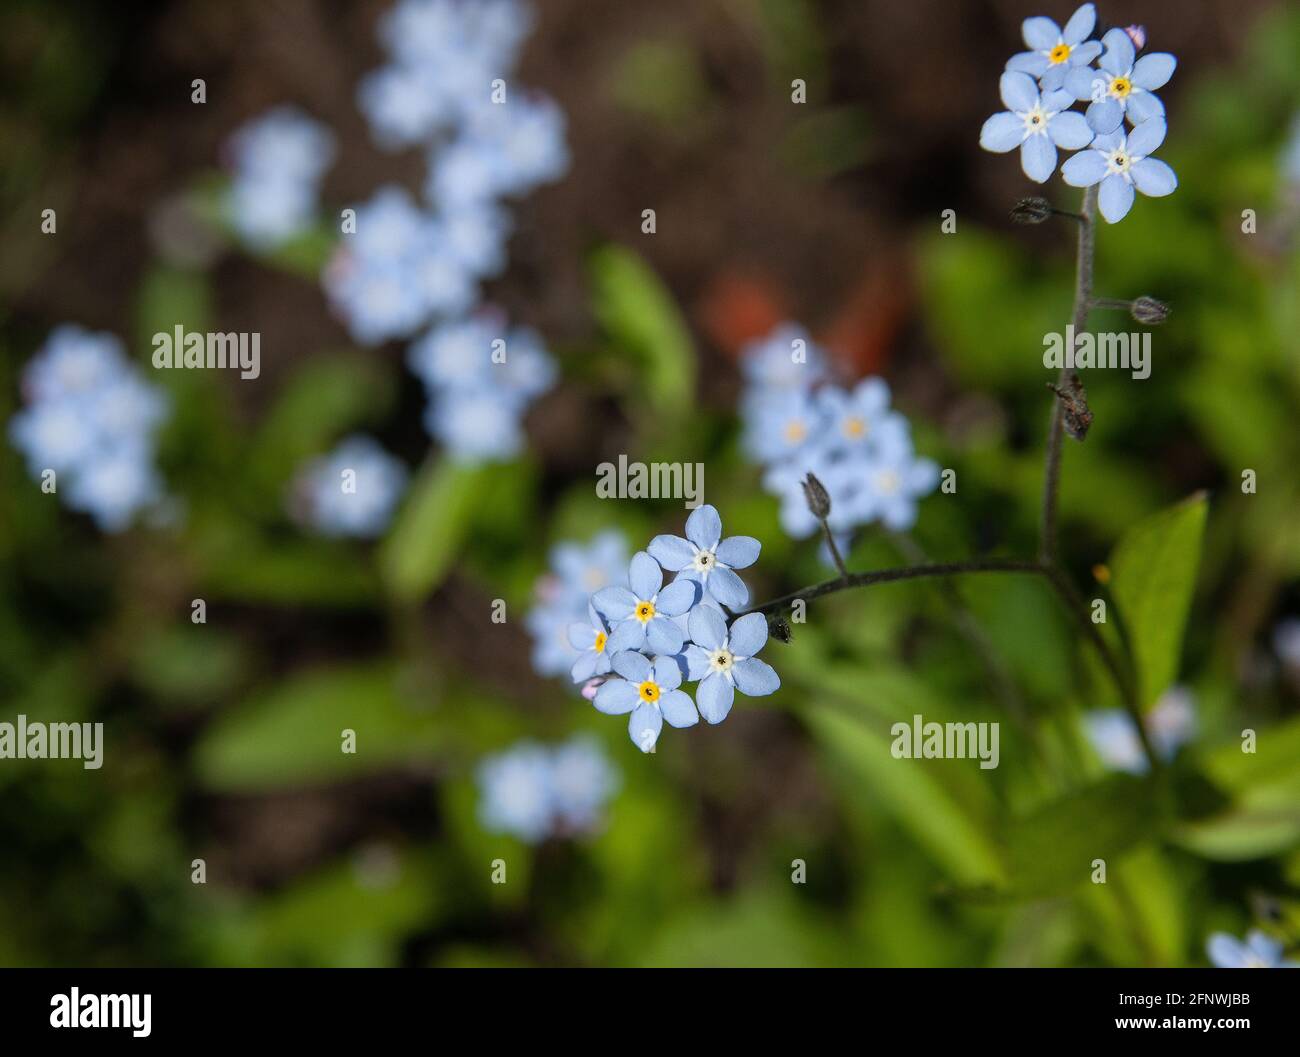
(1149, 311)
(779, 629)
(1032, 211)
(819, 500)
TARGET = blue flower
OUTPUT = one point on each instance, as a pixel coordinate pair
(724, 660)
(576, 571)
(1036, 123)
(1259, 951)
(893, 482)
(1122, 87)
(1170, 724)
(352, 491)
(781, 424)
(515, 792)
(589, 638)
(582, 781)
(707, 558)
(650, 693)
(1055, 51)
(787, 358)
(640, 616)
(1121, 163)
(860, 418)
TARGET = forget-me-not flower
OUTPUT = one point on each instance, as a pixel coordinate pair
(640, 613)
(650, 693)
(1258, 951)
(706, 557)
(1055, 51)
(1035, 122)
(1120, 164)
(1170, 724)
(1122, 87)
(589, 638)
(353, 490)
(723, 660)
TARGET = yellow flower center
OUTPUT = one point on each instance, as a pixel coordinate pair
(854, 428)
(644, 611)
(649, 691)
(795, 431)
(1058, 54)
(1120, 87)
(599, 644)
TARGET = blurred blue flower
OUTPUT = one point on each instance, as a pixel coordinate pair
(563, 594)
(278, 162)
(1036, 123)
(1121, 163)
(781, 424)
(639, 613)
(582, 782)
(1170, 724)
(650, 694)
(1055, 51)
(352, 491)
(1258, 951)
(532, 791)
(91, 419)
(1122, 87)
(704, 556)
(785, 359)
(723, 660)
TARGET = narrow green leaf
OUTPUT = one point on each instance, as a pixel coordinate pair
(1153, 569)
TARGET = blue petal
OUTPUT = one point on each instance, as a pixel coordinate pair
(1116, 198)
(1085, 53)
(1144, 107)
(1002, 132)
(1070, 131)
(644, 725)
(697, 663)
(1083, 82)
(1019, 92)
(616, 603)
(1034, 63)
(1153, 71)
(1118, 59)
(1053, 77)
(644, 575)
(1154, 178)
(704, 527)
(582, 636)
(616, 697)
(755, 678)
(748, 634)
(1057, 100)
(1080, 25)
(1146, 138)
(1226, 952)
(707, 627)
(677, 597)
(585, 666)
(739, 552)
(632, 666)
(627, 635)
(667, 674)
(678, 709)
(1105, 115)
(1038, 158)
(663, 636)
(715, 695)
(1041, 34)
(672, 552)
(728, 588)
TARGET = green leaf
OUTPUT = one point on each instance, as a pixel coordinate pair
(291, 734)
(1153, 569)
(639, 314)
(430, 527)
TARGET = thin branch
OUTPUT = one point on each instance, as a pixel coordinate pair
(1082, 296)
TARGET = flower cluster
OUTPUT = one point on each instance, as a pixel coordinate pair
(352, 491)
(798, 421)
(1039, 86)
(278, 161)
(1170, 724)
(562, 597)
(480, 380)
(91, 419)
(654, 636)
(446, 89)
(533, 791)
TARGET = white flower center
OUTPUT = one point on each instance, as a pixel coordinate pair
(704, 561)
(1119, 161)
(721, 659)
(888, 482)
(1036, 120)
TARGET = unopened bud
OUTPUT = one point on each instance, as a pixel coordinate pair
(1032, 211)
(819, 500)
(1149, 311)
(779, 629)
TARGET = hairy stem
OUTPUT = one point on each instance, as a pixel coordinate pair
(835, 550)
(1079, 319)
